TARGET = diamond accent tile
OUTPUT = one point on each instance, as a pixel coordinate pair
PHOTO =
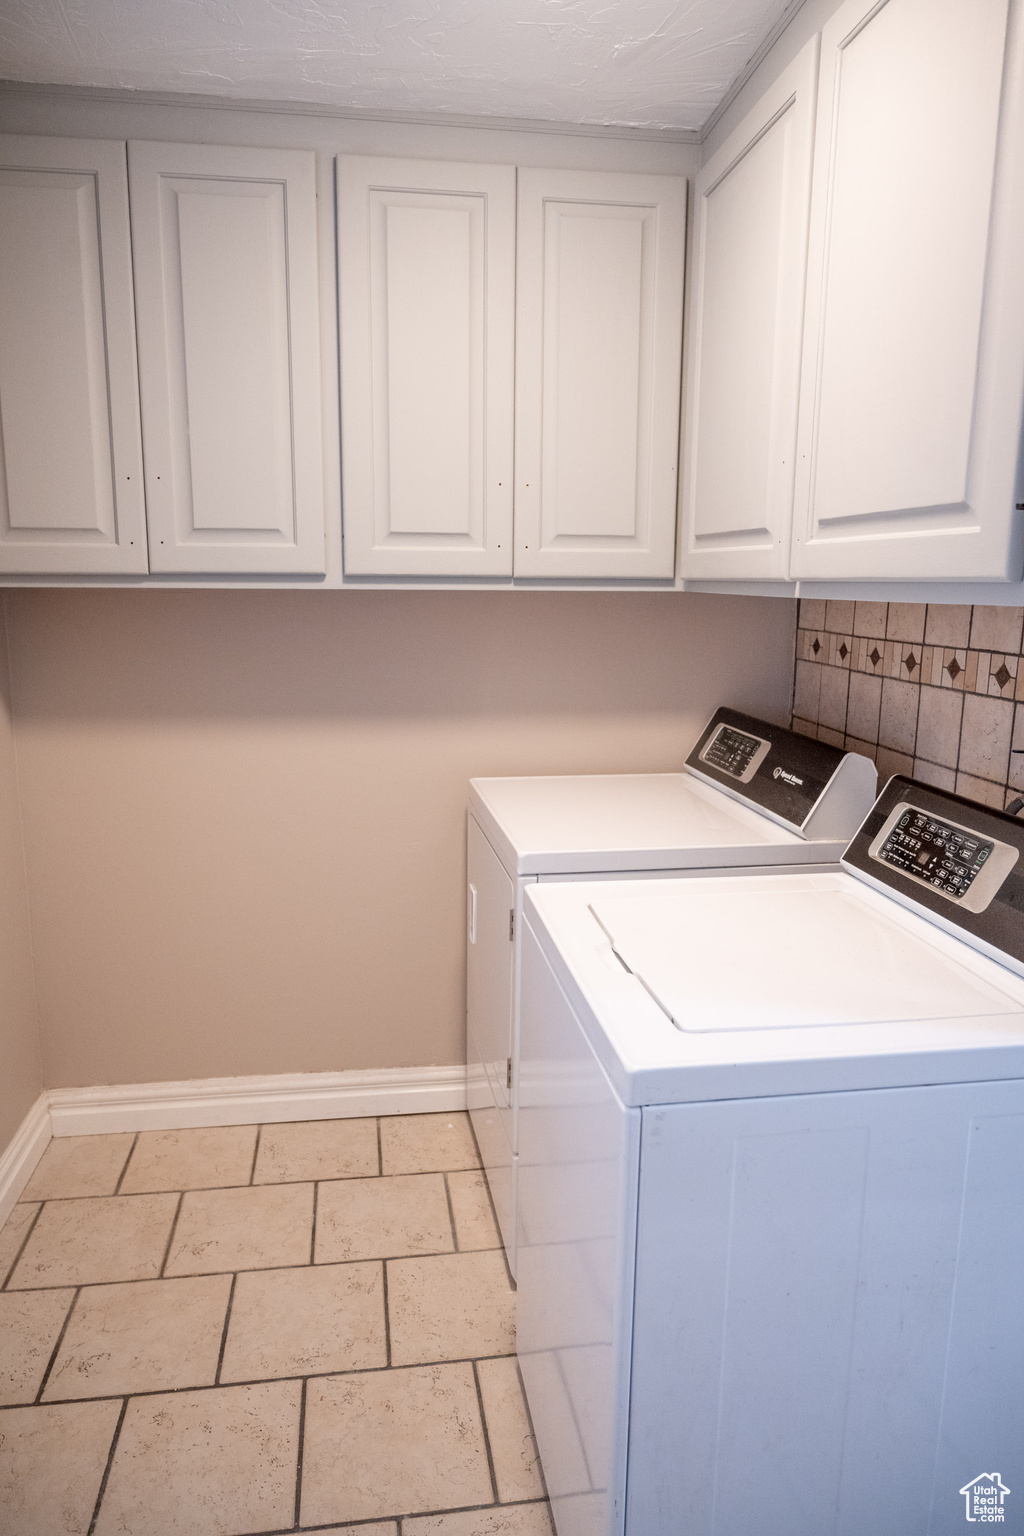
(1003, 676)
(910, 662)
(843, 650)
(815, 645)
(954, 669)
(875, 656)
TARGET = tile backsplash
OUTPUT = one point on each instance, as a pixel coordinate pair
(928, 689)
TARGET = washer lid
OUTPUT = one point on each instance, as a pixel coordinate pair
(719, 959)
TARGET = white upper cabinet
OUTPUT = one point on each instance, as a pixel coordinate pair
(599, 305)
(743, 374)
(225, 247)
(71, 483)
(426, 278)
(912, 386)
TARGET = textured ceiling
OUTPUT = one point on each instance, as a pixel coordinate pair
(652, 63)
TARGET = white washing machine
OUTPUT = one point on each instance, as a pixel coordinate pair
(771, 1189)
(752, 795)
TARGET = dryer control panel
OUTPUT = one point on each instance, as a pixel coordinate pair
(819, 791)
(735, 752)
(954, 859)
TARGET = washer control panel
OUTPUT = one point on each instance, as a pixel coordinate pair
(735, 752)
(944, 855)
(948, 856)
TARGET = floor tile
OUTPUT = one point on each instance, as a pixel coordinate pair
(518, 1520)
(391, 1443)
(30, 1323)
(51, 1465)
(149, 1336)
(317, 1149)
(86, 1242)
(453, 1307)
(205, 1463)
(382, 1218)
(79, 1165)
(426, 1143)
(471, 1206)
(291, 1322)
(12, 1235)
(207, 1158)
(377, 1528)
(513, 1451)
(223, 1229)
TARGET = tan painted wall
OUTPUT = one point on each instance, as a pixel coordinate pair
(244, 812)
(20, 1078)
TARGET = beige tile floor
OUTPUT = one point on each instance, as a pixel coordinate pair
(247, 1330)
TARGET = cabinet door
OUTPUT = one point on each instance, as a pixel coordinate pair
(913, 368)
(71, 484)
(426, 275)
(750, 240)
(489, 963)
(599, 306)
(229, 357)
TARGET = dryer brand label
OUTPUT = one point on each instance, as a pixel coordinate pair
(788, 778)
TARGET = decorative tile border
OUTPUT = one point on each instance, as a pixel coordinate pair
(928, 689)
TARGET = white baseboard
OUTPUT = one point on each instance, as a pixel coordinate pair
(250, 1100)
(23, 1153)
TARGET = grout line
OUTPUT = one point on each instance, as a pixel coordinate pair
(792, 691)
(451, 1213)
(533, 1432)
(255, 1154)
(487, 1438)
(302, 1441)
(920, 693)
(210, 1189)
(257, 1381)
(419, 1514)
(258, 1269)
(106, 1469)
(224, 1331)
(380, 1154)
(494, 1211)
(56, 1348)
(170, 1235)
(387, 1315)
(312, 1230)
(960, 726)
(24, 1243)
(124, 1170)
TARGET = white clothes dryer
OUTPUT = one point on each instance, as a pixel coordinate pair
(752, 795)
(771, 1189)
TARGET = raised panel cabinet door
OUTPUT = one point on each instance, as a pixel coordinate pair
(225, 244)
(750, 243)
(912, 390)
(72, 497)
(599, 314)
(426, 279)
